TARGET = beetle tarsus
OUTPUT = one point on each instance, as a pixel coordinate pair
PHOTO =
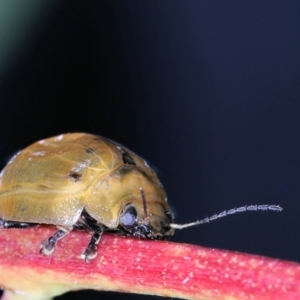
(91, 251)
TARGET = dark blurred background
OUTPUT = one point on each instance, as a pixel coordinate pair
(207, 91)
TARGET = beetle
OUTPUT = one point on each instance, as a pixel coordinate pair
(87, 182)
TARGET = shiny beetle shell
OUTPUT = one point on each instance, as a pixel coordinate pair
(68, 179)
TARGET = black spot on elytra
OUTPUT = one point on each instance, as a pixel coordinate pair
(89, 150)
(74, 176)
(127, 159)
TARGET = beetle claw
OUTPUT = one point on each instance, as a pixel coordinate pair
(89, 254)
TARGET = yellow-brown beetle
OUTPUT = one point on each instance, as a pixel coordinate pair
(83, 181)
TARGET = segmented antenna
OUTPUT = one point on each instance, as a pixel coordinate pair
(225, 213)
(144, 201)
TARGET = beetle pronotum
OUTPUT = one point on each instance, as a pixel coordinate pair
(83, 181)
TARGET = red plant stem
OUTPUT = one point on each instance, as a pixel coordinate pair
(136, 266)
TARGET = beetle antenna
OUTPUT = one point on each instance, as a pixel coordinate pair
(144, 201)
(225, 213)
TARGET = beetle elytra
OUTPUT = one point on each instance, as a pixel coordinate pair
(84, 181)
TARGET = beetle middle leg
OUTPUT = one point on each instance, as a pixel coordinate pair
(48, 245)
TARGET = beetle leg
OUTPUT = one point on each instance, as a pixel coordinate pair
(48, 246)
(90, 224)
(14, 224)
(91, 251)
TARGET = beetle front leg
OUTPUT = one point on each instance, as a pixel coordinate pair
(48, 246)
(91, 251)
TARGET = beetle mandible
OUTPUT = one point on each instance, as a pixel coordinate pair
(84, 181)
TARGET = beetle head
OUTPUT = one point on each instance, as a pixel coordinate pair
(152, 221)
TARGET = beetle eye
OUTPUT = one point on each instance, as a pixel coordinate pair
(128, 217)
(127, 159)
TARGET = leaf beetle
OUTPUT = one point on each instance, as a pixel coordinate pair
(83, 181)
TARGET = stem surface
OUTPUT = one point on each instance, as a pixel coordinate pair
(138, 266)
